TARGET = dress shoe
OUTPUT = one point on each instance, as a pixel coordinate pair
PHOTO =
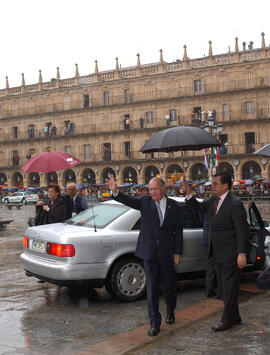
(153, 331)
(170, 318)
(220, 327)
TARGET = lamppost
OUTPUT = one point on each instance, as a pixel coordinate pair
(210, 126)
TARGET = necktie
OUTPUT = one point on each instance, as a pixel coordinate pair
(215, 207)
(159, 213)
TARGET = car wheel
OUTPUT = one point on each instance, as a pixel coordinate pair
(6, 200)
(127, 281)
(24, 201)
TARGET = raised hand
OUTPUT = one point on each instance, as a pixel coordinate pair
(111, 183)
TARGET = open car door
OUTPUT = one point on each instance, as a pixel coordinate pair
(258, 233)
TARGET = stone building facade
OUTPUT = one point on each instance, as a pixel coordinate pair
(104, 118)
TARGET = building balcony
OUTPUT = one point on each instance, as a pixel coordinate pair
(134, 98)
(132, 156)
(86, 129)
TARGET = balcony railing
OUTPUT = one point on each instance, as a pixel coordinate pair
(94, 128)
(100, 157)
(136, 97)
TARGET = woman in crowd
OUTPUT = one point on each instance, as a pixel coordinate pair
(54, 210)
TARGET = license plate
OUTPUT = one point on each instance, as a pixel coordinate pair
(38, 245)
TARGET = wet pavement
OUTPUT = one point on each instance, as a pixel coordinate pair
(250, 338)
(43, 319)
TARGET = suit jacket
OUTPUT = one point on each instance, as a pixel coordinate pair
(80, 205)
(168, 237)
(228, 230)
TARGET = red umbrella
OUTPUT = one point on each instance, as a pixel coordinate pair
(50, 161)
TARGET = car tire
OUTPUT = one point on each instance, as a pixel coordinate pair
(6, 200)
(127, 280)
(24, 201)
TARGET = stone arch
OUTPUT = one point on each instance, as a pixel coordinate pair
(33, 179)
(198, 172)
(130, 175)
(224, 166)
(250, 169)
(3, 178)
(174, 173)
(88, 177)
(17, 179)
(105, 174)
(52, 178)
(69, 176)
(150, 172)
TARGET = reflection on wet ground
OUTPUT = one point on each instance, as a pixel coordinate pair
(40, 318)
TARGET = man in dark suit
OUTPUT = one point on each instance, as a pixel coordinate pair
(160, 245)
(74, 203)
(228, 242)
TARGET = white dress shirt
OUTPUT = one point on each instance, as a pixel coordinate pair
(163, 205)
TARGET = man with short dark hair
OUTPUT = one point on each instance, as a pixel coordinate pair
(228, 242)
(160, 245)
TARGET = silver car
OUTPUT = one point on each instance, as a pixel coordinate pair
(96, 248)
(24, 197)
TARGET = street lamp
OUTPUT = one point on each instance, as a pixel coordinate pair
(213, 128)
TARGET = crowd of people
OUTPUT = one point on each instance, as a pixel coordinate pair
(57, 207)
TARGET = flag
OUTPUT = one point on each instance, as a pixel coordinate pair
(205, 159)
(217, 158)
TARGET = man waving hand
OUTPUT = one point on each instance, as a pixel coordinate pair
(160, 245)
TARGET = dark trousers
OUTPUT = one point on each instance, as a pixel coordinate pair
(211, 280)
(229, 276)
(160, 271)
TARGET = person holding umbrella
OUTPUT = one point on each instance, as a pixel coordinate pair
(53, 211)
(159, 245)
(228, 242)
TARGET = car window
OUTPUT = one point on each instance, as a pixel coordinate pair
(99, 216)
(137, 225)
(14, 194)
(255, 217)
(191, 218)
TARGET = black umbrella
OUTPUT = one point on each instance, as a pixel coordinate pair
(180, 138)
(265, 151)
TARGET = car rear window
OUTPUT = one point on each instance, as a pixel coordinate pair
(99, 215)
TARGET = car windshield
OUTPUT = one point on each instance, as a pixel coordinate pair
(99, 215)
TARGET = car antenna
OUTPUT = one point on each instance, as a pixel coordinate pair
(93, 212)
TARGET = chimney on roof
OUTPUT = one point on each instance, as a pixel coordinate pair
(244, 46)
(250, 46)
(263, 40)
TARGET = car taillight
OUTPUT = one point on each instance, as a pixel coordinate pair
(61, 250)
(26, 242)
